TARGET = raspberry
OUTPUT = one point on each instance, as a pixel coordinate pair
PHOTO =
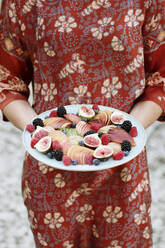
(53, 113)
(56, 145)
(133, 132)
(30, 128)
(105, 139)
(66, 160)
(95, 126)
(33, 142)
(95, 106)
(118, 155)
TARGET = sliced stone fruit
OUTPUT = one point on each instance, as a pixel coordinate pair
(82, 127)
(103, 152)
(116, 147)
(72, 117)
(105, 129)
(57, 122)
(118, 135)
(44, 144)
(86, 112)
(92, 140)
(117, 117)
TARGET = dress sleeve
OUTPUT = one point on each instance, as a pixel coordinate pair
(154, 54)
(15, 67)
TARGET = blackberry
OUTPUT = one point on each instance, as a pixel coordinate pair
(126, 146)
(38, 122)
(58, 154)
(126, 125)
(89, 132)
(61, 111)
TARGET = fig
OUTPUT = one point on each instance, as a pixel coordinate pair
(44, 144)
(103, 152)
(39, 133)
(92, 140)
(117, 117)
(86, 112)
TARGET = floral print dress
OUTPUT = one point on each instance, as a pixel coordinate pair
(85, 51)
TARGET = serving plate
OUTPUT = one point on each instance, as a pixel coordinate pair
(140, 143)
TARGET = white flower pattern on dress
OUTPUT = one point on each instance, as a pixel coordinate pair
(106, 27)
(111, 88)
(12, 13)
(87, 213)
(81, 93)
(132, 18)
(111, 215)
(41, 239)
(114, 244)
(59, 180)
(117, 44)
(65, 25)
(54, 220)
(48, 92)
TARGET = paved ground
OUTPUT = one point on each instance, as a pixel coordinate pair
(14, 227)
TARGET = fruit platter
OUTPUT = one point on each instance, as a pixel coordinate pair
(84, 137)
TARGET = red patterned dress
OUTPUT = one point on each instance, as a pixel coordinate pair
(85, 51)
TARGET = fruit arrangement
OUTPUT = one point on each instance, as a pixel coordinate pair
(89, 137)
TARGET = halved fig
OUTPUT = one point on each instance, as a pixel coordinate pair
(86, 112)
(117, 117)
(39, 133)
(44, 144)
(103, 152)
(92, 140)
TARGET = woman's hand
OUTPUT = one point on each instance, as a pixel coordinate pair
(146, 112)
(19, 113)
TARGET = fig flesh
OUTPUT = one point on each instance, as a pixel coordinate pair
(117, 117)
(103, 152)
(92, 140)
(44, 144)
(86, 112)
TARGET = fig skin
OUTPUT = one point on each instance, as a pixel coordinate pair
(39, 146)
(92, 136)
(103, 156)
(117, 117)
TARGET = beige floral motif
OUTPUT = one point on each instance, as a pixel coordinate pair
(106, 27)
(136, 63)
(140, 90)
(14, 84)
(40, 28)
(132, 19)
(72, 198)
(28, 6)
(109, 88)
(59, 181)
(23, 27)
(148, 3)
(26, 191)
(81, 93)
(41, 239)
(143, 185)
(4, 73)
(111, 215)
(87, 213)
(65, 25)
(95, 232)
(76, 64)
(146, 233)
(125, 175)
(37, 88)
(67, 244)
(54, 220)
(44, 168)
(49, 51)
(40, 3)
(32, 219)
(155, 79)
(114, 244)
(117, 44)
(154, 23)
(48, 91)
(95, 5)
(140, 218)
(12, 13)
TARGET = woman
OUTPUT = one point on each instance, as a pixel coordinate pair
(92, 51)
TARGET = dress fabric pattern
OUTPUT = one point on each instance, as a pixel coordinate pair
(77, 52)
